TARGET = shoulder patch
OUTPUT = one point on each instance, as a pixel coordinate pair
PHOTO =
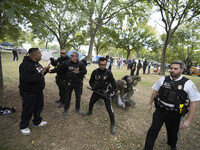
(195, 88)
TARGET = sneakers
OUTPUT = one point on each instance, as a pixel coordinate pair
(26, 131)
(42, 124)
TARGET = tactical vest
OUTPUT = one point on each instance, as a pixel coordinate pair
(102, 82)
(61, 62)
(172, 91)
(70, 75)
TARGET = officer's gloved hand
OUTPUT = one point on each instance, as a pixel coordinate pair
(51, 59)
(94, 88)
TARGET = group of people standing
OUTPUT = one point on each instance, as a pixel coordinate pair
(173, 95)
(133, 65)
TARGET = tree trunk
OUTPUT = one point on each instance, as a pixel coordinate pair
(163, 58)
(128, 54)
(92, 38)
(162, 68)
(47, 44)
(1, 80)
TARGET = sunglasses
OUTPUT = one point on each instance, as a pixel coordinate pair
(63, 53)
(73, 55)
(102, 64)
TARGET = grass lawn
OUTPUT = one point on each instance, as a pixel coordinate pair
(75, 132)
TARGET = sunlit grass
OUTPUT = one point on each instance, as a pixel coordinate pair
(11, 72)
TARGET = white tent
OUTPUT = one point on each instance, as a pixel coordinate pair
(46, 55)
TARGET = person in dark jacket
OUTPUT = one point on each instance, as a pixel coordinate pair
(31, 85)
(139, 66)
(103, 84)
(60, 78)
(75, 71)
(15, 54)
(145, 64)
(133, 67)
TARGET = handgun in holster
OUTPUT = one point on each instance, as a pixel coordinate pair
(157, 103)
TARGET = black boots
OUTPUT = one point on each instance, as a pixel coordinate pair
(57, 101)
(87, 113)
(78, 111)
(65, 112)
(112, 128)
(60, 105)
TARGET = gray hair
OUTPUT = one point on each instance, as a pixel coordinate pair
(181, 63)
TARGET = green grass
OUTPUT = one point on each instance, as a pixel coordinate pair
(92, 132)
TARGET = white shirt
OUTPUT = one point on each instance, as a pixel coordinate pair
(108, 64)
(189, 87)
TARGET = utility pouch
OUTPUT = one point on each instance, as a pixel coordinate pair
(157, 102)
(172, 96)
(183, 109)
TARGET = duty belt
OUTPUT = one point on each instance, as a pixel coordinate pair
(164, 107)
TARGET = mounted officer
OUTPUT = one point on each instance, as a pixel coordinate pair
(60, 77)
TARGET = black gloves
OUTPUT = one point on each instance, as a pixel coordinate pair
(51, 59)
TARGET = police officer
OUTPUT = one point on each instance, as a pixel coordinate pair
(75, 71)
(60, 78)
(145, 64)
(133, 67)
(139, 66)
(171, 105)
(103, 84)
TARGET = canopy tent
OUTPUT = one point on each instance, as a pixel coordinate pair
(95, 59)
(7, 44)
(46, 55)
(70, 52)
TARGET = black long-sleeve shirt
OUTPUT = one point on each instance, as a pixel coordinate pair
(30, 79)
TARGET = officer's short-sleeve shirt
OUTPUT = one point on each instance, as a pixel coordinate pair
(189, 87)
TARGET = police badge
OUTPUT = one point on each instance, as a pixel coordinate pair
(180, 87)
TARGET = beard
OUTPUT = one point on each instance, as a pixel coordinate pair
(174, 75)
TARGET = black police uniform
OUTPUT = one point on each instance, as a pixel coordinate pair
(31, 88)
(170, 92)
(139, 65)
(145, 63)
(74, 82)
(60, 78)
(132, 69)
(103, 82)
